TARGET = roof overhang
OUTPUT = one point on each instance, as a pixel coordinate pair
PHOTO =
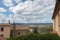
(56, 9)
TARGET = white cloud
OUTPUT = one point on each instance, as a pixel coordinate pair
(18, 1)
(8, 3)
(27, 6)
(3, 18)
(2, 9)
(35, 11)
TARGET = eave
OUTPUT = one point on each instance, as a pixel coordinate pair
(56, 9)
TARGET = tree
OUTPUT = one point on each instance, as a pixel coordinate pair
(35, 31)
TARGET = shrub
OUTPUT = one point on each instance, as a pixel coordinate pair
(12, 38)
(38, 37)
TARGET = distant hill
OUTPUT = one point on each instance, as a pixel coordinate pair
(34, 23)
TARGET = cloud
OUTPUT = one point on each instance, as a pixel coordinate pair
(2, 9)
(3, 18)
(30, 11)
(8, 3)
(33, 11)
(18, 1)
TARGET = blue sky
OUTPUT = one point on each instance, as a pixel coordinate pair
(26, 11)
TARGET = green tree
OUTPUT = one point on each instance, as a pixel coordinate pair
(35, 31)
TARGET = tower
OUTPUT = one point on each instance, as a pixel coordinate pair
(9, 21)
(14, 29)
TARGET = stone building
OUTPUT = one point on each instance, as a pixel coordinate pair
(56, 18)
(7, 30)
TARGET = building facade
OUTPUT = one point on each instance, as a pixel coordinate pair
(7, 30)
(56, 18)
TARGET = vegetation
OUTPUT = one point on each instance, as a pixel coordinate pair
(35, 30)
(37, 37)
(42, 34)
(46, 29)
(12, 38)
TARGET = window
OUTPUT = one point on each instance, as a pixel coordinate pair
(1, 35)
(18, 33)
(2, 29)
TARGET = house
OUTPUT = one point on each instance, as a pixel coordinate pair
(56, 18)
(7, 30)
(18, 29)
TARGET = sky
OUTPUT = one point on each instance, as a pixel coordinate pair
(26, 11)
